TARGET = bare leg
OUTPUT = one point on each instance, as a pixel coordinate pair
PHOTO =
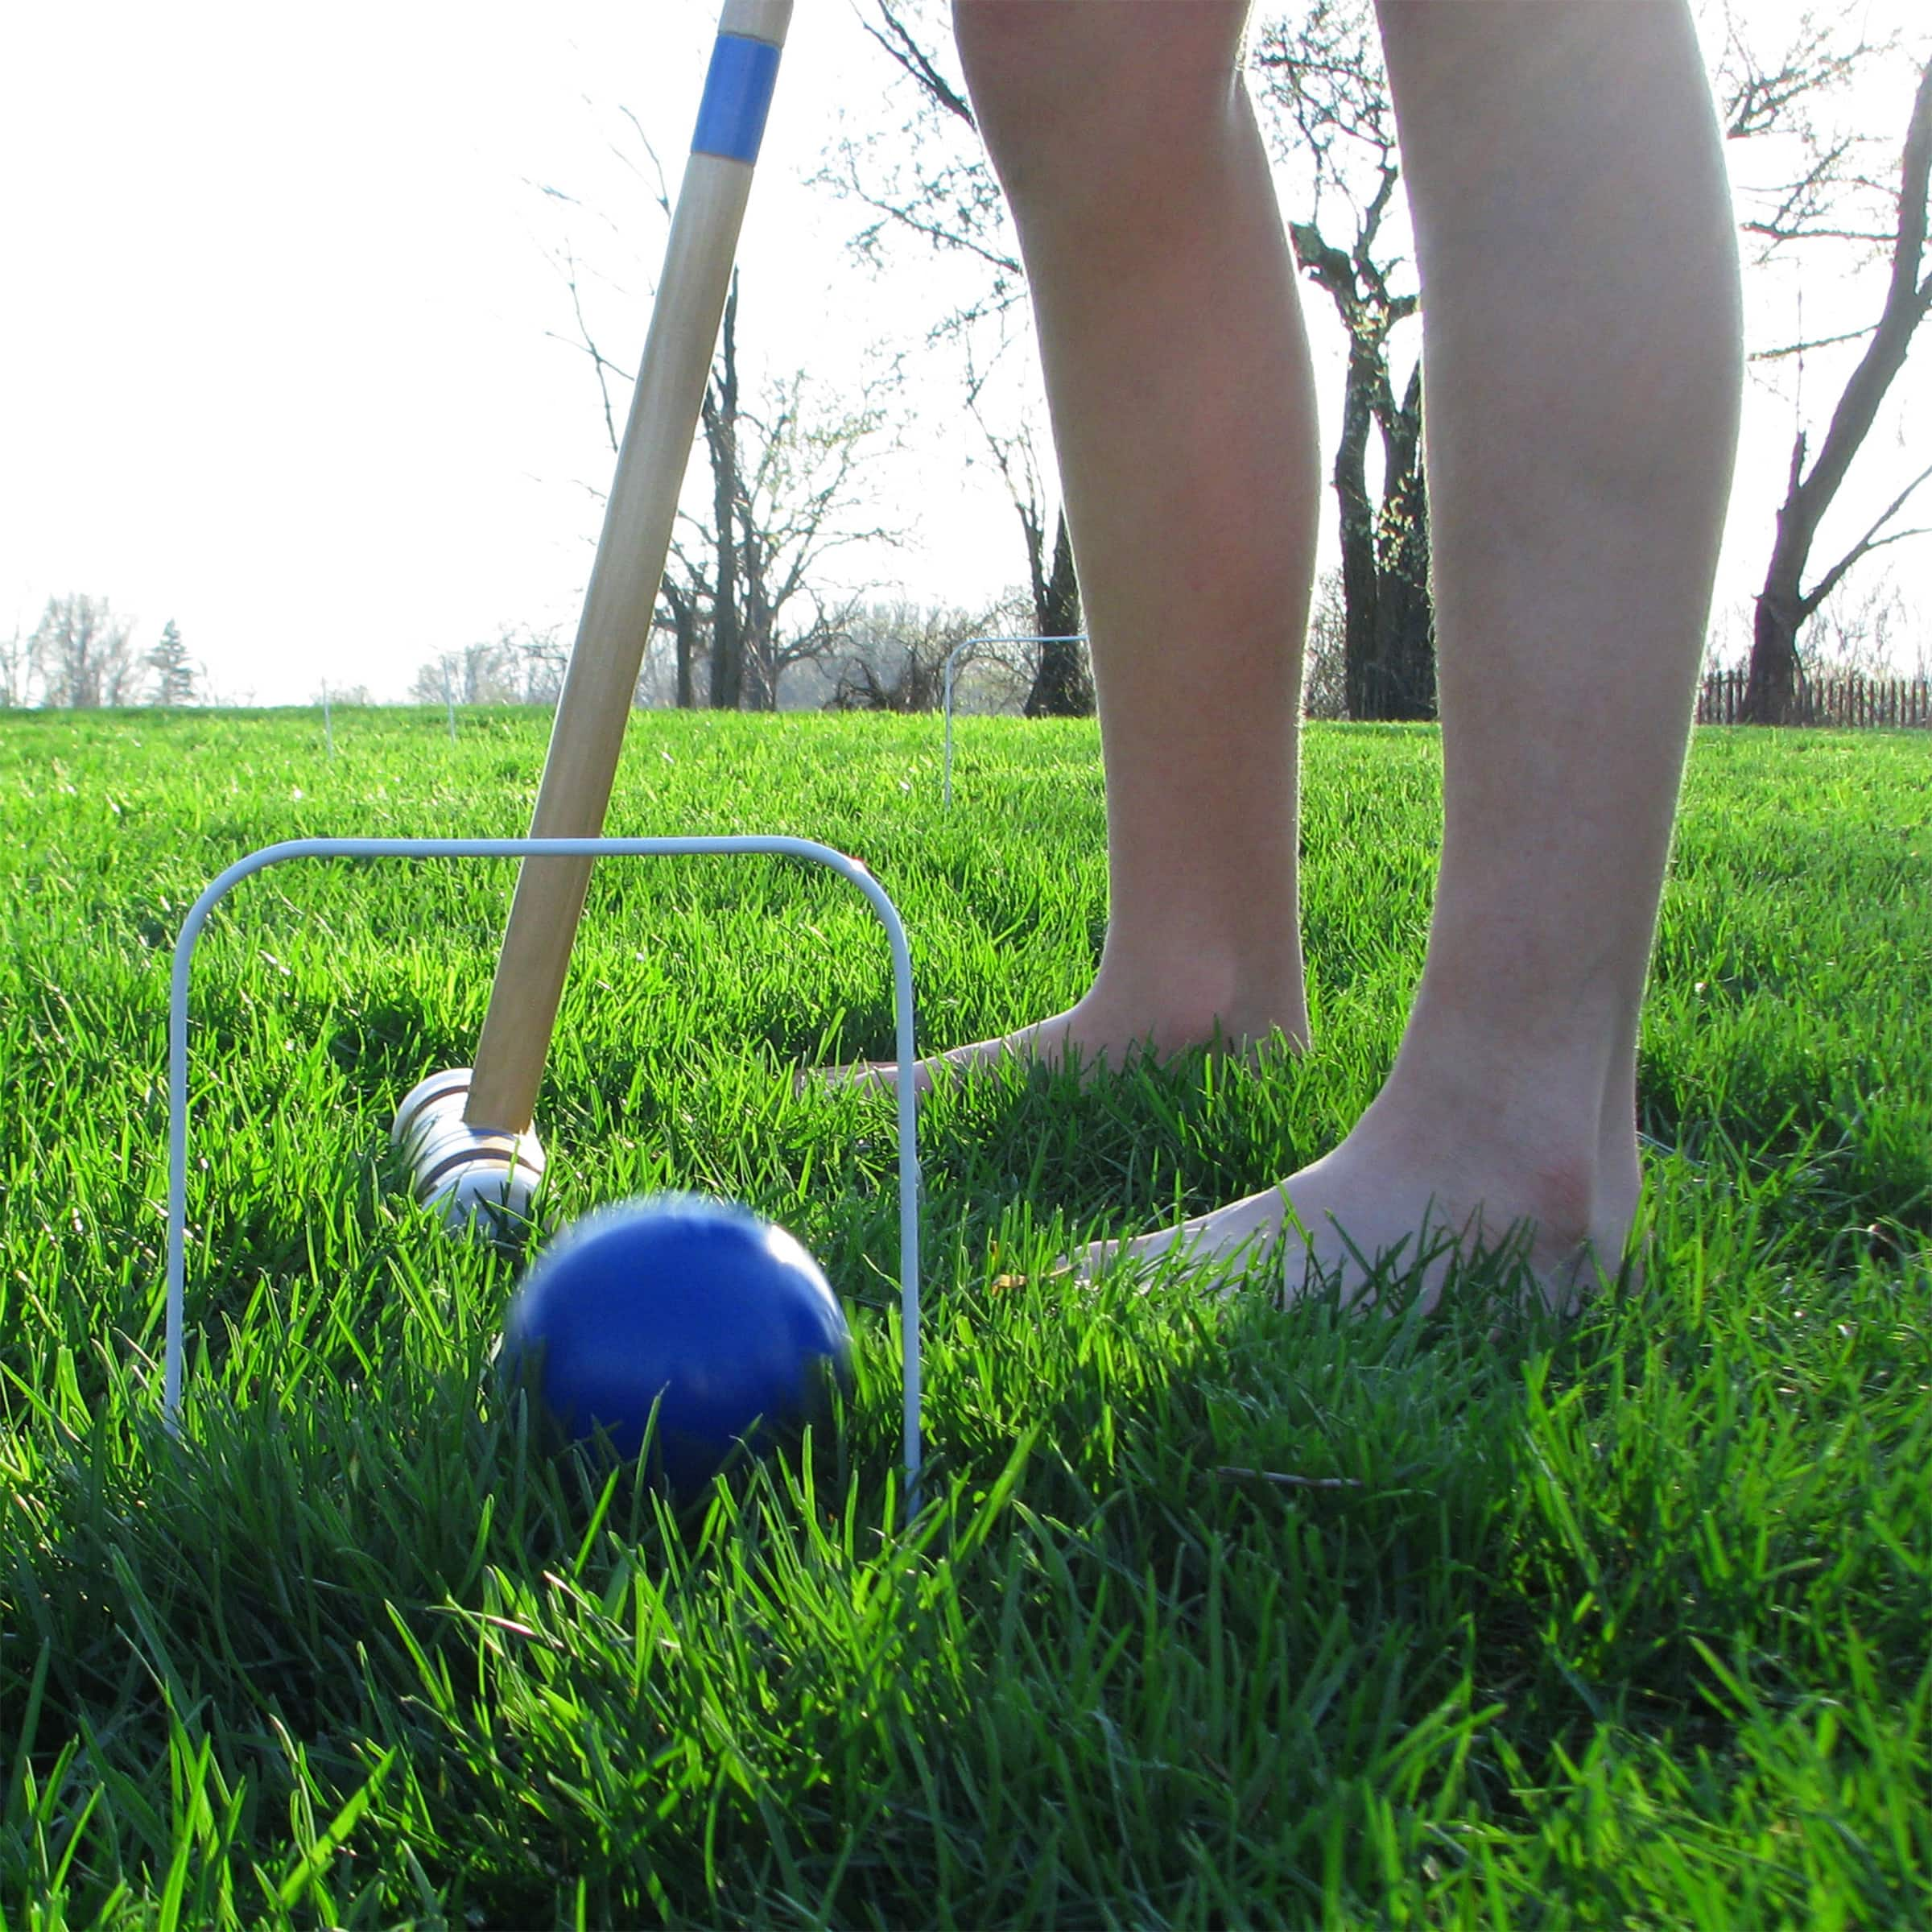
(1184, 415)
(1581, 352)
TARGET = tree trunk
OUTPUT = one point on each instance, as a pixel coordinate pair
(1771, 686)
(758, 647)
(721, 440)
(1361, 622)
(1062, 685)
(1388, 616)
(1405, 612)
(684, 636)
(1772, 692)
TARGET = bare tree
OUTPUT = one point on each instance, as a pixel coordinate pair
(1821, 202)
(1062, 684)
(1063, 678)
(16, 670)
(80, 653)
(683, 619)
(893, 658)
(478, 674)
(1325, 95)
(786, 488)
(542, 660)
(930, 183)
(794, 509)
(1864, 627)
(1326, 90)
(1778, 99)
(1325, 666)
(745, 592)
(518, 666)
(930, 180)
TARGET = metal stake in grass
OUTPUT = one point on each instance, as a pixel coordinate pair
(468, 1118)
(959, 651)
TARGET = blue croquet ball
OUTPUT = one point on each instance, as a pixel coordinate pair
(721, 1320)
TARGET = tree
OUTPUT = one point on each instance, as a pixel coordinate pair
(478, 674)
(1324, 85)
(1062, 685)
(684, 623)
(932, 184)
(1325, 96)
(541, 661)
(1813, 206)
(79, 652)
(745, 595)
(16, 670)
(1062, 682)
(174, 673)
(1775, 102)
(785, 481)
(1325, 664)
(1864, 628)
(517, 666)
(893, 658)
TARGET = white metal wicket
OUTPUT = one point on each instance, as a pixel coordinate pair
(959, 651)
(848, 868)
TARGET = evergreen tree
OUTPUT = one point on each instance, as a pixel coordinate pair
(174, 675)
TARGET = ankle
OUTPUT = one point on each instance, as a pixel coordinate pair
(1513, 1156)
(1195, 999)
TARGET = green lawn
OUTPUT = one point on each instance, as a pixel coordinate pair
(1626, 1624)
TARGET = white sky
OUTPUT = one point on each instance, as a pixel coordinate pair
(274, 357)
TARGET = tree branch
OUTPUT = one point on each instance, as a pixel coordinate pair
(587, 344)
(662, 196)
(1800, 349)
(1906, 304)
(897, 39)
(1866, 544)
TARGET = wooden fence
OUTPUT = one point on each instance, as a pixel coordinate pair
(1850, 701)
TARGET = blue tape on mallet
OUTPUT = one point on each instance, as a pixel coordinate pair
(737, 97)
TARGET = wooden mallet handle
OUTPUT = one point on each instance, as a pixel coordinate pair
(588, 733)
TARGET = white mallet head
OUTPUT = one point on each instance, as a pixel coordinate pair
(482, 1179)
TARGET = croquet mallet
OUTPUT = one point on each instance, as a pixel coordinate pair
(467, 1134)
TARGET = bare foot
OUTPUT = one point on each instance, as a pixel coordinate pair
(1100, 1031)
(1364, 1215)
(1049, 1041)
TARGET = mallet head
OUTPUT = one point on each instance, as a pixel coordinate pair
(481, 1180)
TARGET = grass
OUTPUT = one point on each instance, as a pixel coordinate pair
(1623, 1623)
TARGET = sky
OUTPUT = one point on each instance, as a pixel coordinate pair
(279, 360)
